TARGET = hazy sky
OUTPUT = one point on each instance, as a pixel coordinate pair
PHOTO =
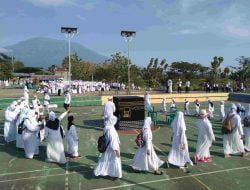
(178, 30)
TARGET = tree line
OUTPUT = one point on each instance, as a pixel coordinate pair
(154, 74)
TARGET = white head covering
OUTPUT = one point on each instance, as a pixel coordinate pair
(31, 113)
(178, 124)
(52, 116)
(11, 107)
(25, 110)
(232, 110)
(14, 103)
(110, 122)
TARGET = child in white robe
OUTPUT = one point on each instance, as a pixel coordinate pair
(72, 139)
(205, 138)
(30, 135)
(46, 102)
(19, 137)
(197, 107)
(10, 123)
(164, 105)
(233, 142)
(211, 108)
(145, 157)
(172, 106)
(147, 103)
(109, 164)
(222, 110)
(179, 154)
(186, 107)
(53, 133)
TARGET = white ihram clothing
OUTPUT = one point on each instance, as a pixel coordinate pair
(170, 86)
(232, 143)
(26, 97)
(205, 138)
(10, 124)
(30, 136)
(179, 154)
(46, 100)
(19, 137)
(211, 109)
(72, 141)
(55, 148)
(141, 160)
(67, 99)
(109, 164)
(147, 103)
(222, 112)
(36, 104)
(186, 108)
(197, 108)
(164, 106)
(108, 109)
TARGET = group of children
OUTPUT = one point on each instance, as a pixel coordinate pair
(28, 126)
(35, 128)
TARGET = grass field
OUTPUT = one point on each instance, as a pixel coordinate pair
(19, 173)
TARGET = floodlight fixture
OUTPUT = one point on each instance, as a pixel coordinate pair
(128, 36)
(69, 31)
(128, 33)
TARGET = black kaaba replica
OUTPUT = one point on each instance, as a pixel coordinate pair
(129, 111)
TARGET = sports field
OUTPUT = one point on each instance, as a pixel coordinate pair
(19, 173)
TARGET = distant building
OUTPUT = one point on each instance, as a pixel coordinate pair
(62, 73)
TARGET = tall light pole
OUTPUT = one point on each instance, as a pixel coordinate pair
(69, 31)
(128, 35)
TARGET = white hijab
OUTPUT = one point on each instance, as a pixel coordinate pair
(178, 124)
(52, 116)
(232, 110)
(111, 121)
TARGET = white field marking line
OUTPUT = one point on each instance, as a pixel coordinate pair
(30, 171)
(173, 178)
(160, 151)
(132, 184)
(12, 160)
(42, 170)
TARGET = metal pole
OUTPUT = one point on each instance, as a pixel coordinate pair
(12, 61)
(69, 74)
(128, 69)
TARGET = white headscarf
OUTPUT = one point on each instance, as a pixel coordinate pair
(110, 122)
(31, 113)
(52, 116)
(25, 110)
(11, 107)
(178, 124)
(232, 110)
(14, 103)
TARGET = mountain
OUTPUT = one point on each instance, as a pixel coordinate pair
(44, 52)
